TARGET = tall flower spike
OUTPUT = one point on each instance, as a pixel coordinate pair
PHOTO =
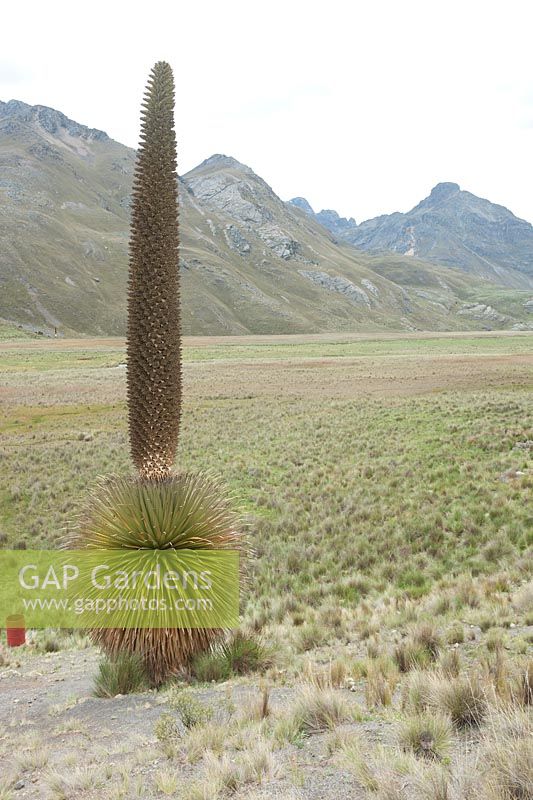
(154, 335)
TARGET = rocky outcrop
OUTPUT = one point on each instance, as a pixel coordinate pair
(336, 283)
(279, 242)
(370, 286)
(482, 312)
(236, 240)
(235, 190)
(230, 195)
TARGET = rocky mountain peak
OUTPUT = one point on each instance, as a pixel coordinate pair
(444, 190)
(220, 161)
(329, 218)
(17, 113)
(301, 202)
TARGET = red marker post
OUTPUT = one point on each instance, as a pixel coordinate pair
(15, 630)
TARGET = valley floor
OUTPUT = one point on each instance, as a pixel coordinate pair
(386, 483)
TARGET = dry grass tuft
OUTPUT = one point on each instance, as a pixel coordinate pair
(428, 735)
(463, 698)
(317, 710)
(381, 680)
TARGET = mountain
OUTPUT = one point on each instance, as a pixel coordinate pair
(250, 262)
(327, 217)
(451, 227)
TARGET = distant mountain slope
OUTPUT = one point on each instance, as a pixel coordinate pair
(450, 227)
(250, 262)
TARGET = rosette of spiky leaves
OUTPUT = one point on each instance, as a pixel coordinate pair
(153, 340)
(184, 511)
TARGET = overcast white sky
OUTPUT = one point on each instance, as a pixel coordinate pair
(357, 106)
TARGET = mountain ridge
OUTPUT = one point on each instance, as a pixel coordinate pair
(250, 262)
(450, 227)
(49, 118)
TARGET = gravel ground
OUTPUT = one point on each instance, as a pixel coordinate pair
(48, 715)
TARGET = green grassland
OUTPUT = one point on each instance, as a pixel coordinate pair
(367, 474)
(36, 354)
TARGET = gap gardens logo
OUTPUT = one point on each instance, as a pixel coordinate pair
(121, 589)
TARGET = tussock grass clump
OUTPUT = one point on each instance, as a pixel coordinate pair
(522, 599)
(434, 783)
(331, 676)
(498, 674)
(427, 636)
(337, 740)
(338, 671)
(510, 770)
(246, 653)
(409, 655)
(287, 730)
(317, 710)
(166, 781)
(455, 633)
(73, 782)
(122, 674)
(50, 643)
(495, 640)
(241, 654)
(420, 649)
(467, 593)
(450, 663)
(428, 735)
(33, 756)
(418, 692)
(6, 787)
(463, 699)
(210, 666)
(382, 771)
(381, 680)
(352, 757)
(201, 739)
(506, 761)
(309, 636)
(524, 689)
(4, 659)
(373, 648)
(225, 776)
(259, 709)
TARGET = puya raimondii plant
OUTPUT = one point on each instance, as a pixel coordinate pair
(186, 510)
(154, 340)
